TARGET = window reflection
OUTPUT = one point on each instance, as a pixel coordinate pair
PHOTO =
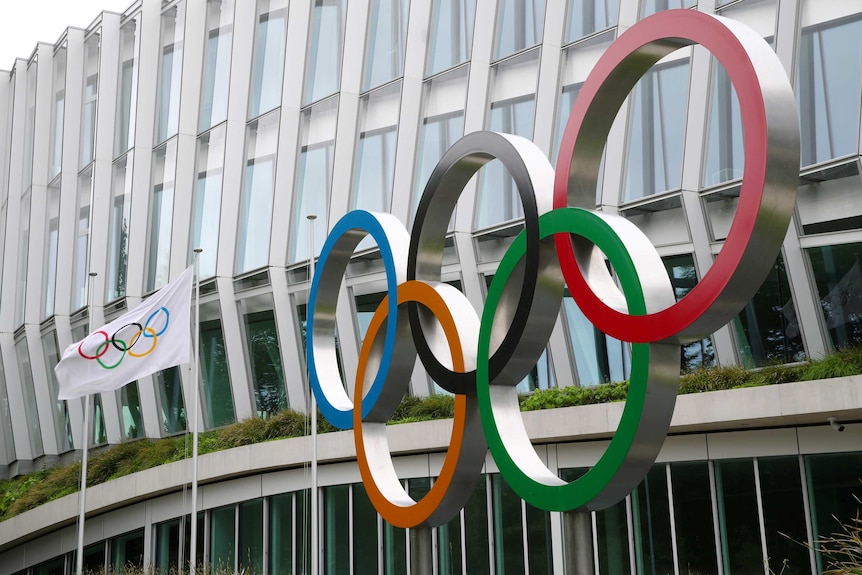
(588, 16)
(23, 259)
(62, 424)
(171, 403)
(519, 26)
(599, 358)
(724, 158)
(82, 234)
(31, 411)
(683, 278)
(365, 530)
(314, 182)
(118, 239)
(208, 189)
(783, 513)
(58, 113)
(693, 517)
(386, 42)
(336, 529)
(223, 538)
(651, 516)
(215, 387)
(264, 355)
(216, 71)
(257, 194)
(323, 63)
(131, 415)
(128, 87)
(828, 90)
(738, 516)
(161, 215)
(268, 66)
(49, 288)
(251, 537)
(443, 103)
(652, 6)
(375, 152)
(91, 95)
(451, 37)
(838, 276)
(170, 71)
(834, 492)
(657, 131)
(767, 330)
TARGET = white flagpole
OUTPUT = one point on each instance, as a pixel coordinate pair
(193, 546)
(314, 535)
(82, 495)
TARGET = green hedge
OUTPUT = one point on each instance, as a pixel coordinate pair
(30, 491)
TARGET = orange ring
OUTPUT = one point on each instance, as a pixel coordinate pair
(416, 514)
(135, 339)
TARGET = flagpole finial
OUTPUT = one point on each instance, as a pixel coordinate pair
(198, 250)
(93, 274)
(311, 217)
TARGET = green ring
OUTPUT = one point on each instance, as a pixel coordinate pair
(105, 343)
(558, 495)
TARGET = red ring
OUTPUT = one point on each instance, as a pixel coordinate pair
(713, 33)
(98, 355)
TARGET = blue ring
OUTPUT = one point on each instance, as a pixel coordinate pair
(152, 315)
(366, 221)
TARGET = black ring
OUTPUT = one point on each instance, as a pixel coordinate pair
(131, 344)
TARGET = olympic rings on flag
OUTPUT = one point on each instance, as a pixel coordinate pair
(563, 243)
(143, 331)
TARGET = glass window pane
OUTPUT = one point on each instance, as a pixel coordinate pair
(834, 492)
(251, 536)
(767, 330)
(365, 533)
(657, 131)
(170, 72)
(215, 378)
(81, 278)
(23, 259)
(828, 90)
(53, 567)
(386, 41)
(837, 273)
(683, 278)
(508, 527)
(443, 101)
(208, 191)
(314, 181)
(519, 26)
(724, 160)
(652, 6)
(118, 239)
(476, 540)
(449, 551)
(167, 551)
(323, 63)
(394, 549)
(58, 113)
(94, 558)
(31, 412)
(692, 512)
(223, 538)
(30, 122)
(99, 435)
(127, 94)
(539, 553)
(216, 71)
(512, 111)
(738, 517)
(127, 551)
(257, 196)
(161, 215)
(300, 529)
(336, 529)
(586, 17)
(131, 417)
(281, 534)
(52, 230)
(171, 403)
(264, 355)
(651, 509)
(784, 514)
(598, 358)
(90, 98)
(62, 424)
(451, 37)
(6, 431)
(268, 65)
(829, 200)
(374, 166)
(613, 538)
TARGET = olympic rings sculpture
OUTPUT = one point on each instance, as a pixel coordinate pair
(481, 358)
(121, 345)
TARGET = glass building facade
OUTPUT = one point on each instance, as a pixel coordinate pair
(222, 124)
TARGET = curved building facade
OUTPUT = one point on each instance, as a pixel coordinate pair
(222, 124)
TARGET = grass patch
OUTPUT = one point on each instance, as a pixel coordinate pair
(29, 491)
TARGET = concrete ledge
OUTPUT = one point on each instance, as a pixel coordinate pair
(786, 405)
